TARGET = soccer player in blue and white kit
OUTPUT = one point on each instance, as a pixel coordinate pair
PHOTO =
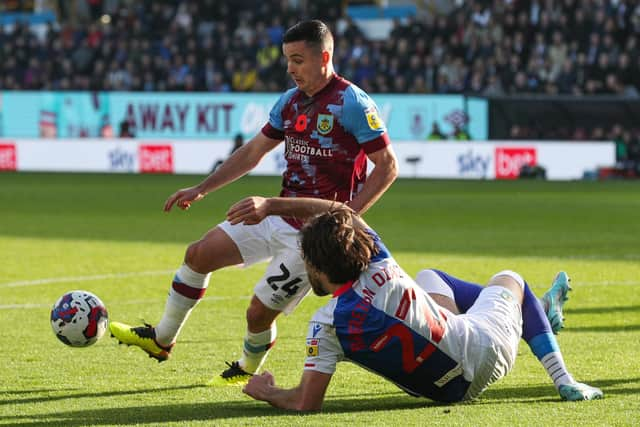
(384, 321)
(330, 128)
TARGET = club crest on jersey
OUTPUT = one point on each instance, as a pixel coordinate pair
(373, 119)
(325, 123)
(312, 346)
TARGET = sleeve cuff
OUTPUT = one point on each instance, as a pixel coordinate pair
(321, 369)
(376, 144)
(273, 133)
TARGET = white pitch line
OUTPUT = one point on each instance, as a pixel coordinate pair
(22, 306)
(83, 278)
(133, 302)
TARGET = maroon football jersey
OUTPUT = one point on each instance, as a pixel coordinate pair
(327, 137)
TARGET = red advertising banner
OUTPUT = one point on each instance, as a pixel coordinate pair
(509, 160)
(155, 158)
(8, 157)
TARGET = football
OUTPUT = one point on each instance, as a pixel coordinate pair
(79, 318)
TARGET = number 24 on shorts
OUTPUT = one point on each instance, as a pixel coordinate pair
(290, 286)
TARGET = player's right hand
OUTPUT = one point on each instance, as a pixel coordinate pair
(260, 386)
(249, 211)
(183, 198)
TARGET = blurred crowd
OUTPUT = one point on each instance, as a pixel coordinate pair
(476, 47)
(480, 47)
(208, 45)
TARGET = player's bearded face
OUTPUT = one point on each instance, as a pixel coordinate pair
(305, 66)
(315, 281)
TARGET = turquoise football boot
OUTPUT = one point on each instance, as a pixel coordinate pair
(579, 391)
(553, 301)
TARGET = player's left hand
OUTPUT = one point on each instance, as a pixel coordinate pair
(248, 211)
(259, 386)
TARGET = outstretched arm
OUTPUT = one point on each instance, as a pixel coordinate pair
(252, 210)
(239, 164)
(308, 396)
(384, 172)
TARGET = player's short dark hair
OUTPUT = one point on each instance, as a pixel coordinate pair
(338, 244)
(314, 32)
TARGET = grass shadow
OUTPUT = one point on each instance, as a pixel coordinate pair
(608, 329)
(248, 409)
(600, 310)
(66, 395)
(211, 411)
(546, 392)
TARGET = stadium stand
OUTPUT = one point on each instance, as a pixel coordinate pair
(553, 47)
(516, 47)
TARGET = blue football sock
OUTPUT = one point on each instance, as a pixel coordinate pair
(465, 293)
(536, 329)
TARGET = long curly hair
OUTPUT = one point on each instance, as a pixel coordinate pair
(338, 244)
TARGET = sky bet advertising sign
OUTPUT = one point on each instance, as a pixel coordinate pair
(210, 115)
(563, 160)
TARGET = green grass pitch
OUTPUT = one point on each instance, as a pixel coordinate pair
(108, 234)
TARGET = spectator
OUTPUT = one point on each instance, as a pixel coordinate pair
(267, 58)
(567, 78)
(365, 70)
(633, 154)
(493, 87)
(125, 130)
(430, 73)
(593, 50)
(621, 144)
(244, 79)
(275, 31)
(460, 133)
(558, 53)
(476, 84)
(597, 134)
(436, 134)
(612, 85)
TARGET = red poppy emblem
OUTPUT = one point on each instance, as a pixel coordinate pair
(301, 122)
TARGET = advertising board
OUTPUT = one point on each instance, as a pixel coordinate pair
(449, 160)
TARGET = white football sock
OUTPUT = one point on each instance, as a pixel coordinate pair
(256, 348)
(554, 364)
(186, 291)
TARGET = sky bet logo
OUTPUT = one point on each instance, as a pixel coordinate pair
(472, 164)
(155, 158)
(147, 159)
(509, 161)
(8, 157)
(121, 160)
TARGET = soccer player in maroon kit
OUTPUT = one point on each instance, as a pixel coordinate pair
(330, 128)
